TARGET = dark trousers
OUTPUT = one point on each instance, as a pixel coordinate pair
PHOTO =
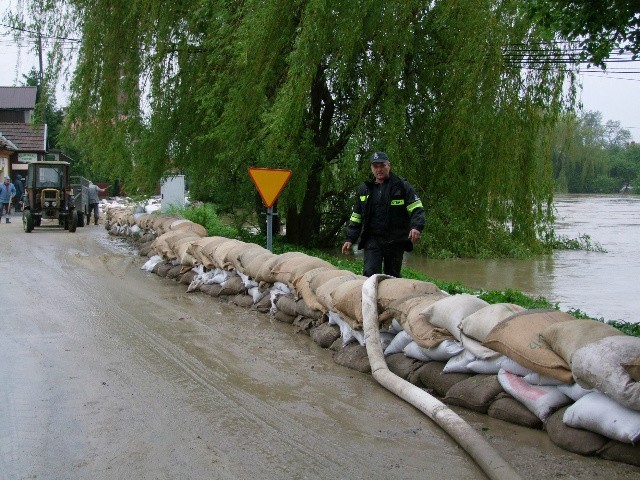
(382, 257)
(95, 210)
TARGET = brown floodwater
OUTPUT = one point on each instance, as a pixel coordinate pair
(599, 284)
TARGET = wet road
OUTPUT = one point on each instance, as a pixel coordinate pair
(109, 372)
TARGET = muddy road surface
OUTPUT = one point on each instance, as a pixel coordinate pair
(110, 372)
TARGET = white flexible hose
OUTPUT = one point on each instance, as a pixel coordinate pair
(473, 443)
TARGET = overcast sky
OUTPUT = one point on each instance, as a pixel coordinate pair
(616, 94)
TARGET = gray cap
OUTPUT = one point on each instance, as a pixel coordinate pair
(379, 157)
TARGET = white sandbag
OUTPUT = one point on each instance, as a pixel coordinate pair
(537, 379)
(511, 366)
(598, 413)
(346, 332)
(256, 294)
(599, 365)
(485, 366)
(413, 350)
(459, 363)
(478, 350)
(401, 340)
(278, 289)
(449, 312)
(574, 391)
(443, 352)
(248, 282)
(481, 322)
(386, 338)
(542, 401)
(151, 263)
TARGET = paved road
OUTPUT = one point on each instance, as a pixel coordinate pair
(110, 372)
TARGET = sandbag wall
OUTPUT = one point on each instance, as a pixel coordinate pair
(577, 379)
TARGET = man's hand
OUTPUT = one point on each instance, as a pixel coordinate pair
(414, 235)
(346, 248)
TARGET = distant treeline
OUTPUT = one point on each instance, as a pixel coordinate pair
(592, 157)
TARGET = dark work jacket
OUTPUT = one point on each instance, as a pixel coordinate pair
(403, 211)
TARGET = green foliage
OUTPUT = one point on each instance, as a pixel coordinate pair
(599, 26)
(583, 242)
(591, 157)
(449, 89)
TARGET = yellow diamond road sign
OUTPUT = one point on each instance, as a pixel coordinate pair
(269, 182)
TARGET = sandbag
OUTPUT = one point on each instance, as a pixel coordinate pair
(410, 313)
(460, 362)
(542, 401)
(621, 452)
(598, 413)
(520, 337)
(253, 267)
(404, 367)
(393, 289)
(576, 440)
(268, 272)
(512, 411)
(325, 334)
(399, 342)
(565, 338)
(196, 247)
(347, 299)
(599, 365)
(353, 356)
(189, 226)
(476, 348)
(292, 268)
(432, 377)
(476, 393)
(478, 324)
(449, 312)
(302, 286)
(324, 292)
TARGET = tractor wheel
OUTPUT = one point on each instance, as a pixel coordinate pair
(27, 221)
(73, 222)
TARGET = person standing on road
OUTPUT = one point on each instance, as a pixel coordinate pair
(7, 192)
(388, 217)
(19, 193)
(93, 192)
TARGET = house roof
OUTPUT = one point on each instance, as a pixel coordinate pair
(27, 138)
(6, 144)
(18, 98)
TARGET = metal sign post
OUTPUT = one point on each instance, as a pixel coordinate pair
(270, 183)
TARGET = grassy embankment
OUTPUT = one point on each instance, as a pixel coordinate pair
(206, 216)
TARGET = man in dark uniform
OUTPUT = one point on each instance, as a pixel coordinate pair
(388, 218)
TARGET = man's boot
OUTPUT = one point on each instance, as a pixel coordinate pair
(6, 220)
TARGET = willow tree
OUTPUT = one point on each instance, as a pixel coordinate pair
(459, 93)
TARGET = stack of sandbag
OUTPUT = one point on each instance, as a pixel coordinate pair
(578, 379)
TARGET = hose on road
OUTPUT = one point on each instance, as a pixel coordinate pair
(491, 463)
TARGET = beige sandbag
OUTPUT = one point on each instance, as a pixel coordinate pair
(302, 287)
(393, 289)
(231, 255)
(163, 244)
(322, 277)
(181, 249)
(291, 269)
(480, 323)
(247, 256)
(196, 247)
(565, 338)
(220, 253)
(253, 268)
(600, 365)
(162, 224)
(267, 273)
(190, 226)
(409, 313)
(324, 291)
(520, 338)
(347, 300)
(450, 311)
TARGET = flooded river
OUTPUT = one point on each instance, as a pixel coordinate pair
(600, 284)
